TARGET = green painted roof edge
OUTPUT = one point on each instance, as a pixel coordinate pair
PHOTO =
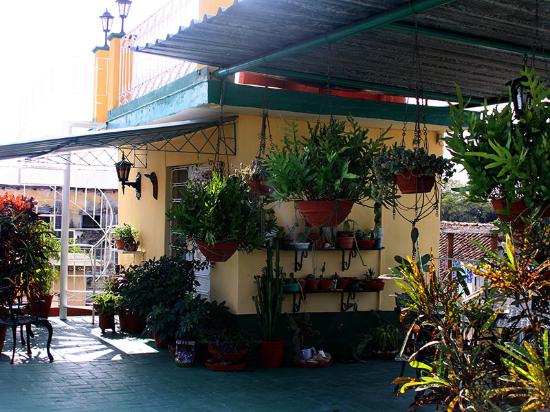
(300, 102)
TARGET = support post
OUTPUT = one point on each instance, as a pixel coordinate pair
(65, 239)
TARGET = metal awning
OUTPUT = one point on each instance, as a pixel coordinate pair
(369, 44)
(195, 136)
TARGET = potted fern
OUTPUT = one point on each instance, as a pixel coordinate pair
(325, 172)
(220, 216)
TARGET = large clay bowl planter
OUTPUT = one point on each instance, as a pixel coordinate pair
(234, 357)
(218, 252)
(408, 183)
(272, 353)
(41, 306)
(324, 212)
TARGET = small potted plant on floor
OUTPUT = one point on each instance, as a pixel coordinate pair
(505, 151)
(227, 349)
(385, 341)
(324, 172)
(191, 310)
(105, 305)
(162, 323)
(126, 237)
(413, 170)
(220, 216)
(268, 302)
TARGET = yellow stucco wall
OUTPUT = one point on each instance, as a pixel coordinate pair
(232, 281)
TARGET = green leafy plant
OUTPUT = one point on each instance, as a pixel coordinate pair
(398, 159)
(504, 157)
(166, 280)
(217, 210)
(127, 233)
(330, 163)
(106, 303)
(269, 294)
(385, 338)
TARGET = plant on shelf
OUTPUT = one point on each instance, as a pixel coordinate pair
(371, 282)
(126, 237)
(221, 216)
(413, 170)
(505, 153)
(268, 301)
(105, 304)
(326, 171)
(366, 239)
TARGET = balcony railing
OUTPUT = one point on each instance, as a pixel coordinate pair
(141, 73)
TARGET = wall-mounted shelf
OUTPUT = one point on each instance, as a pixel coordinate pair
(347, 256)
(346, 304)
(131, 252)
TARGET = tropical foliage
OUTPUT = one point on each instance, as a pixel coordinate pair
(505, 154)
(333, 162)
(217, 210)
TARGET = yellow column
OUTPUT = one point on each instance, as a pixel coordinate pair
(101, 80)
(113, 90)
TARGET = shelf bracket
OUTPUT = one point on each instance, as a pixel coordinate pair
(299, 264)
(346, 262)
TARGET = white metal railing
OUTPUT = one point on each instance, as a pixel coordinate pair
(141, 73)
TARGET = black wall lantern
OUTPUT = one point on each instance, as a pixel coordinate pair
(123, 11)
(520, 95)
(123, 172)
(107, 23)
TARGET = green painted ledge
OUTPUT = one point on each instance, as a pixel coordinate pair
(197, 90)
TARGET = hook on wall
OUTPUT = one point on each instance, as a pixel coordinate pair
(154, 180)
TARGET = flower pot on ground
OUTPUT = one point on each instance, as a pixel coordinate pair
(218, 215)
(227, 349)
(105, 305)
(131, 323)
(126, 237)
(412, 170)
(324, 172)
(268, 302)
(505, 152)
(385, 341)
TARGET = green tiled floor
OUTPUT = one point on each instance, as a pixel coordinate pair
(95, 373)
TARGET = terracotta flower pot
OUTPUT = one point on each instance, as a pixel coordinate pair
(345, 242)
(324, 212)
(366, 244)
(106, 322)
(508, 211)
(256, 186)
(374, 285)
(119, 244)
(272, 353)
(218, 252)
(312, 285)
(235, 357)
(131, 323)
(343, 283)
(326, 284)
(409, 183)
(40, 306)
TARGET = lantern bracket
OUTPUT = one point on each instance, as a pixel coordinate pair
(136, 185)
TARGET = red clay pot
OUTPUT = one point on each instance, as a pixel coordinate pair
(312, 285)
(366, 244)
(272, 353)
(343, 283)
(345, 240)
(324, 212)
(218, 252)
(159, 343)
(326, 284)
(106, 322)
(40, 306)
(408, 183)
(119, 244)
(130, 323)
(256, 186)
(374, 285)
(235, 357)
(508, 211)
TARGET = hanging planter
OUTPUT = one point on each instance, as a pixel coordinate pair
(324, 172)
(257, 186)
(324, 212)
(212, 211)
(218, 252)
(408, 182)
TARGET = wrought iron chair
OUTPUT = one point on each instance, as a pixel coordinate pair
(15, 313)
